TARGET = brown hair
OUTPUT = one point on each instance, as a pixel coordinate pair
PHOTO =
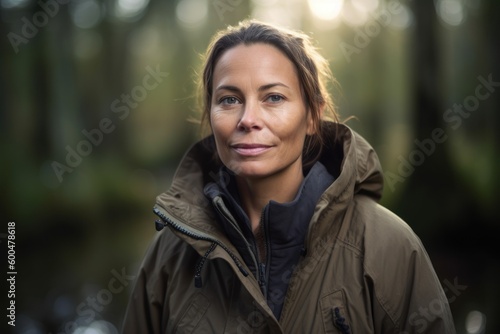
(312, 70)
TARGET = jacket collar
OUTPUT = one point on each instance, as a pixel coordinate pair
(346, 156)
(287, 222)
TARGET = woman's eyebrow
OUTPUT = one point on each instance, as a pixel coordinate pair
(228, 87)
(261, 88)
(271, 85)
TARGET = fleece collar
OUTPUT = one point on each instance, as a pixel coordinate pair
(287, 222)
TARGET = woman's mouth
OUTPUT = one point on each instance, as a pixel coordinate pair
(250, 149)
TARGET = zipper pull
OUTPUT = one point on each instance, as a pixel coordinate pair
(159, 225)
(197, 281)
(339, 321)
(199, 266)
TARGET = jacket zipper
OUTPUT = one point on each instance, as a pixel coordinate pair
(264, 275)
(224, 212)
(199, 266)
(178, 227)
(259, 266)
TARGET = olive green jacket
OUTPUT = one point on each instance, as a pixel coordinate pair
(365, 271)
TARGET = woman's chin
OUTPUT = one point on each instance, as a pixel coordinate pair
(250, 169)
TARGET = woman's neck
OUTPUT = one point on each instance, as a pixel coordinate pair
(255, 193)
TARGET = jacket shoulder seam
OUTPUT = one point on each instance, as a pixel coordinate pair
(350, 246)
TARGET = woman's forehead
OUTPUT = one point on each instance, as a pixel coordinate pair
(261, 62)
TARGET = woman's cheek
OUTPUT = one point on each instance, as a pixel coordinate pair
(220, 127)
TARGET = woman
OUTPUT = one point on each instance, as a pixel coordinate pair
(272, 222)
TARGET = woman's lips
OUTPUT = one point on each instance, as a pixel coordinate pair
(250, 149)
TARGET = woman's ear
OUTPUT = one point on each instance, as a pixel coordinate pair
(310, 124)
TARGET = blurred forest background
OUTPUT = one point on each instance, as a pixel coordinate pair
(95, 97)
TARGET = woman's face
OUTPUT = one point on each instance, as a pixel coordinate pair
(258, 115)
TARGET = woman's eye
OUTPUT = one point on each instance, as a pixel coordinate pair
(229, 100)
(275, 98)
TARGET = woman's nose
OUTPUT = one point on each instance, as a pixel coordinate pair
(250, 117)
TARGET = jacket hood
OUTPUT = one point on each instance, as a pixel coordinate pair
(346, 155)
(353, 162)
